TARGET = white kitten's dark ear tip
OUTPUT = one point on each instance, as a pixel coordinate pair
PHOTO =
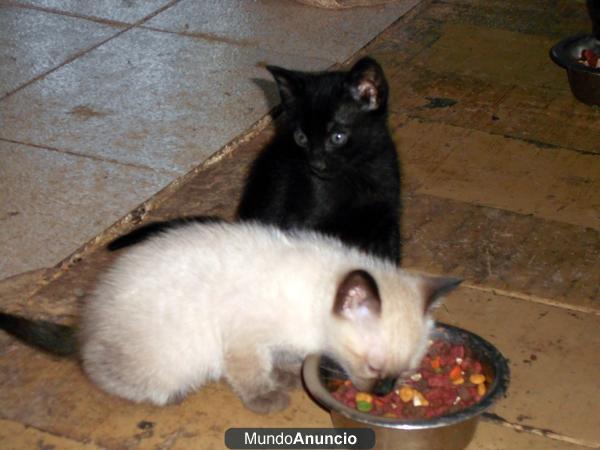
(436, 288)
(453, 282)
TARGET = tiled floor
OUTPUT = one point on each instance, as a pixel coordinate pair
(501, 187)
(102, 104)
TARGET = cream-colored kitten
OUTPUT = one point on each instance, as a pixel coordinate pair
(246, 303)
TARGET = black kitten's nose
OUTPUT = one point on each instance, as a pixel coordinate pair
(384, 386)
(318, 165)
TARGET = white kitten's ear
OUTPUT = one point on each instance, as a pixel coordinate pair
(368, 85)
(435, 288)
(357, 296)
(289, 83)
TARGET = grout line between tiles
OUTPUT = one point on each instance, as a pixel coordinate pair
(93, 47)
(532, 298)
(496, 419)
(92, 157)
(536, 143)
(59, 12)
(206, 36)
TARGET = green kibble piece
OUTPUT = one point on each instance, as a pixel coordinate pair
(364, 406)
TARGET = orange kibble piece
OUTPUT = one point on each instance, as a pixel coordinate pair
(436, 362)
(481, 389)
(455, 373)
(406, 394)
(459, 380)
(363, 397)
(477, 378)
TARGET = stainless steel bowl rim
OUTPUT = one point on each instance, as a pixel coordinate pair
(560, 54)
(495, 391)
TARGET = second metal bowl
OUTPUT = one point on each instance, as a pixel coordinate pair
(584, 81)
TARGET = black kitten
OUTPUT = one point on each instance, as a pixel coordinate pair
(333, 167)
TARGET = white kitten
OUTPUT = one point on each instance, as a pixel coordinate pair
(247, 303)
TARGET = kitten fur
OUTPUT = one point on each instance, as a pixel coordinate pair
(332, 166)
(246, 303)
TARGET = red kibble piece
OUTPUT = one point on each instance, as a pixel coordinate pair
(590, 57)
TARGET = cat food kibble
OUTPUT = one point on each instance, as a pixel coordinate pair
(448, 380)
(590, 58)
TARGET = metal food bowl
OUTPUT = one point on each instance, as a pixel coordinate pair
(584, 80)
(448, 432)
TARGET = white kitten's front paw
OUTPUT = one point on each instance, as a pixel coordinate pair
(267, 403)
(287, 380)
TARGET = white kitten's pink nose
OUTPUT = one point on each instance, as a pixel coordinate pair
(363, 384)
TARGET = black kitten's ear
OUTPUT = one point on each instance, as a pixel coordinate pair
(357, 296)
(435, 288)
(289, 84)
(368, 85)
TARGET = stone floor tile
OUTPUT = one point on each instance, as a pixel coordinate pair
(128, 11)
(524, 58)
(283, 26)
(148, 98)
(541, 260)
(490, 170)
(54, 202)
(28, 53)
(531, 17)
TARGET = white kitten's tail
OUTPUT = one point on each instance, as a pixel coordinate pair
(53, 338)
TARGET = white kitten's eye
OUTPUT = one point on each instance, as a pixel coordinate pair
(338, 139)
(300, 138)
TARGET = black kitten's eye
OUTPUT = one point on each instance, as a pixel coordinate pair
(300, 138)
(338, 139)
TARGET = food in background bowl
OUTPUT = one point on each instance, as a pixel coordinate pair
(590, 58)
(449, 379)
